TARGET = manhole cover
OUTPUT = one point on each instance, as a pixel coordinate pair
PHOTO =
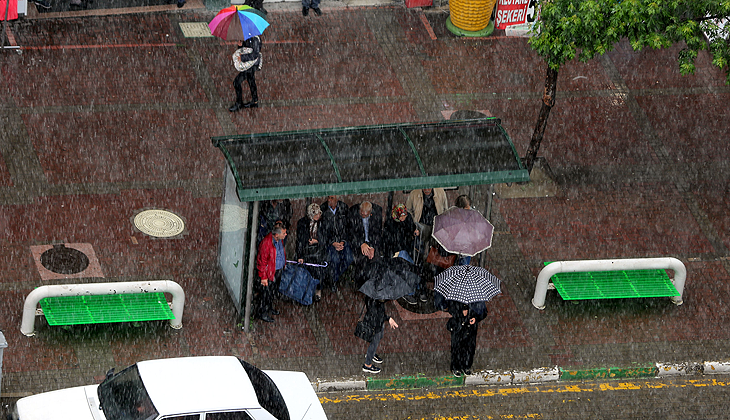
(159, 223)
(62, 260)
(195, 30)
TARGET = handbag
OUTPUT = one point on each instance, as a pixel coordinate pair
(244, 65)
(363, 330)
(452, 324)
(435, 258)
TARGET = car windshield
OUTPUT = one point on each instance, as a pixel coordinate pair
(266, 392)
(123, 397)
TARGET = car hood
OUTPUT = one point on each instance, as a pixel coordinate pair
(301, 400)
(79, 403)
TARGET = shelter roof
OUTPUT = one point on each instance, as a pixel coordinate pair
(368, 159)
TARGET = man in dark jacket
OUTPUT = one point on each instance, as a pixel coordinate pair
(248, 75)
(365, 229)
(334, 234)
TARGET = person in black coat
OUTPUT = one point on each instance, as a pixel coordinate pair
(464, 325)
(399, 234)
(273, 211)
(310, 246)
(335, 236)
(248, 75)
(365, 229)
(375, 317)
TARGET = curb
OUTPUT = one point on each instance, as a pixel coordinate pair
(518, 377)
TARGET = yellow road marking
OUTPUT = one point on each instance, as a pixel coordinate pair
(516, 390)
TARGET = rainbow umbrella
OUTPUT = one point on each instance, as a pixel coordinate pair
(238, 23)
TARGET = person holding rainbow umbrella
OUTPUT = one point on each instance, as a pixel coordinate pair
(246, 24)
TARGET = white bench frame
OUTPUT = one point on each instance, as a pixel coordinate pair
(27, 325)
(541, 286)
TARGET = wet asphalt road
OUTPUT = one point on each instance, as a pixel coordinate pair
(698, 397)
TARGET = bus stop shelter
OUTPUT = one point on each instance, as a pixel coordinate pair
(343, 161)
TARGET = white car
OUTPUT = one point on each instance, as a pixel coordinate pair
(186, 388)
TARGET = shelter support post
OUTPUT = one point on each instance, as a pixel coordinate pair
(251, 265)
(27, 325)
(541, 286)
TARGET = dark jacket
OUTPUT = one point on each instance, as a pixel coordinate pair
(398, 236)
(255, 44)
(357, 228)
(375, 316)
(310, 253)
(334, 226)
(459, 321)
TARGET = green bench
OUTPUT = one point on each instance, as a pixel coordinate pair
(611, 279)
(98, 309)
(96, 303)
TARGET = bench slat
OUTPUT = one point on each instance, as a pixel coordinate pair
(614, 284)
(97, 309)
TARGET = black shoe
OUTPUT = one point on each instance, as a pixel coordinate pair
(42, 3)
(457, 373)
(370, 369)
(377, 359)
(274, 312)
(333, 288)
(305, 11)
(317, 297)
(266, 318)
(317, 11)
(251, 104)
(410, 299)
(236, 107)
(423, 297)
(467, 372)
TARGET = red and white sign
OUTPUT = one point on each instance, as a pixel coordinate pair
(515, 12)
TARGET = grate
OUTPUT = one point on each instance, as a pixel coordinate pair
(62, 260)
(614, 284)
(98, 309)
(195, 30)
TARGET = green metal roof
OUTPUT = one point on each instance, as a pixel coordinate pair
(358, 160)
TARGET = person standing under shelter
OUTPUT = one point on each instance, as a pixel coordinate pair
(270, 262)
(334, 234)
(273, 211)
(247, 60)
(365, 229)
(424, 205)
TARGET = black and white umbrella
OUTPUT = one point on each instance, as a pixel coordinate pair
(467, 284)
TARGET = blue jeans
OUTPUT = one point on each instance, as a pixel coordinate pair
(338, 261)
(405, 256)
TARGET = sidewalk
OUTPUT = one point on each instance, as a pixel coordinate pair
(105, 116)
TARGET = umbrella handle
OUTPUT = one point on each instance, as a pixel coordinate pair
(309, 264)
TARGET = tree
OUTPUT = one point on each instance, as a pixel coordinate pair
(586, 28)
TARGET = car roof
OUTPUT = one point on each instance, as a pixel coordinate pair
(197, 384)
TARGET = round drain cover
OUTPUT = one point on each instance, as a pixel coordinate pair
(62, 260)
(159, 223)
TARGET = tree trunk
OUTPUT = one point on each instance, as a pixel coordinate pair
(548, 100)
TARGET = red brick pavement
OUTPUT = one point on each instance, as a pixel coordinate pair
(333, 72)
(605, 221)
